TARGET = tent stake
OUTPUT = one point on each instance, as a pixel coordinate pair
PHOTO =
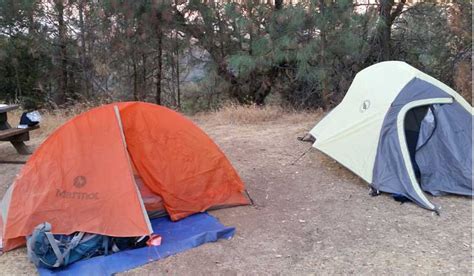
(250, 198)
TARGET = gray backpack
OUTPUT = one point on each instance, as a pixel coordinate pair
(48, 250)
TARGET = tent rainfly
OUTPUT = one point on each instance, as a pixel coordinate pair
(403, 132)
(97, 172)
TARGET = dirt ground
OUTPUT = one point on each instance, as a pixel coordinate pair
(313, 217)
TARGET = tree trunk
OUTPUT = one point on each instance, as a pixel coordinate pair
(178, 88)
(385, 27)
(82, 49)
(144, 93)
(159, 70)
(278, 4)
(18, 84)
(135, 80)
(63, 79)
(31, 21)
(323, 65)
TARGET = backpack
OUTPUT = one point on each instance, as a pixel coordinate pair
(52, 251)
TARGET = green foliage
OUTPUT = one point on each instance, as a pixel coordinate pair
(289, 49)
(22, 65)
(305, 54)
(438, 45)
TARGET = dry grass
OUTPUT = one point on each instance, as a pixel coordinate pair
(229, 114)
(50, 120)
(249, 114)
(252, 114)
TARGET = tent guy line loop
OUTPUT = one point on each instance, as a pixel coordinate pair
(306, 138)
(302, 155)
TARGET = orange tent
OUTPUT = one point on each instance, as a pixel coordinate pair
(84, 176)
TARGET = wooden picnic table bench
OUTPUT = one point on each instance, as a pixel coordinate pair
(16, 136)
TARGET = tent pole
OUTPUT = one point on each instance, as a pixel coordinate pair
(119, 120)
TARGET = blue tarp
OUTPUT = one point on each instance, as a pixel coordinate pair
(176, 237)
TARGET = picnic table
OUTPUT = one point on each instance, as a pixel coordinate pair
(16, 136)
